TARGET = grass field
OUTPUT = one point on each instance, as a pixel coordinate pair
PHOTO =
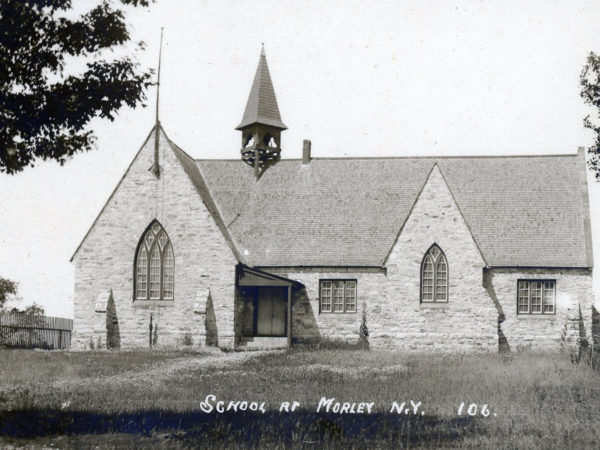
(154, 398)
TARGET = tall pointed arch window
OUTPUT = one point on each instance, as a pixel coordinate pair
(434, 276)
(154, 266)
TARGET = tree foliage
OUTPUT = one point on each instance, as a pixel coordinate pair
(8, 291)
(31, 310)
(45, 106)
(7, 288)
(590, 91)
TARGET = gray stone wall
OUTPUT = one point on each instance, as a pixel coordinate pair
(395, 316)
(203, 260)
(309, 324)
(205, 266)
(478, 298)
(545, 332)
(468, 322)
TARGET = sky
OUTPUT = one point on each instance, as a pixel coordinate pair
(357, 78)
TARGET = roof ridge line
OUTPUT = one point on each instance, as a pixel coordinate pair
(547, 155)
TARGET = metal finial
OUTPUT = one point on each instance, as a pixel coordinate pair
(158, 79)
(155, 166)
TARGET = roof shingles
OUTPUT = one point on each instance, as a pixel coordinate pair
(522, 211)
(262, 104)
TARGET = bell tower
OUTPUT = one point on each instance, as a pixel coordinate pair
(261, 125)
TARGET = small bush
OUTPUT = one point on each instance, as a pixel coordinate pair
(113, 337)
(363, 334)
(155, 336)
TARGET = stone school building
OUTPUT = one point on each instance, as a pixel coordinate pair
(439, 253)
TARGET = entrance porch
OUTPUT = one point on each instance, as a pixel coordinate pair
(264, 314)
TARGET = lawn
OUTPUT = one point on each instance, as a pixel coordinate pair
(159, 399)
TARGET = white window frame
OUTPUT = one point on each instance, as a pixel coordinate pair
(435, 260)
(526, 286)
(150, 241)
(327, 296)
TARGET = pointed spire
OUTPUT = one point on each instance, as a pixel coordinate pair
(262, 104)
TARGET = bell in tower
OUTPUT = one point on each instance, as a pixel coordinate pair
(261, 125)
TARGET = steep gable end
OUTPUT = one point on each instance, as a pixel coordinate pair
(133, 161)
(435, 219)
(148, 189)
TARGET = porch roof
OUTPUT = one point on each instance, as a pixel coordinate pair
(249, 276)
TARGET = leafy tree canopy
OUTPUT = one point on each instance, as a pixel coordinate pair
(7, 288)
(45, 109)
(31, 310)
(8, 291)
(590, 91)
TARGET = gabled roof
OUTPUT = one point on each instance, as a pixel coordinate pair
(262, 104)
(193, 172)
(522, 211)
(526, 211)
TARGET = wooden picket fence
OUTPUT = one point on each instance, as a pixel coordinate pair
(34, 331)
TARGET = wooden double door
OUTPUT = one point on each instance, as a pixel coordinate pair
(271, 311)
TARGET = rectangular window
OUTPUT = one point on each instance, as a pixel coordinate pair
(326, 296)
(350, 297)
(428, 281)
(549, 296)
(338, 296)
(155, 273)
(536, 296)
(523, 297)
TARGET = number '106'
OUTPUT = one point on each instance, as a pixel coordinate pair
(473, 409)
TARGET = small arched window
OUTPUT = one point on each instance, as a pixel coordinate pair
(154, 265)
(269, 140)
(434, 276)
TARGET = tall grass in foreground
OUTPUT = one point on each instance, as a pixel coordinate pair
(539, 400)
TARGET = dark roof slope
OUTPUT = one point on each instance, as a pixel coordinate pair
(262, 104)
(193, 172)
(522, 211)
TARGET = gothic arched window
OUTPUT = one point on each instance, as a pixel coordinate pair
(154, 265)
(434, 276)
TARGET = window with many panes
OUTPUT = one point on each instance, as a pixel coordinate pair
(536, 297)
(338, 296)
(154, 266)
(434, 276)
